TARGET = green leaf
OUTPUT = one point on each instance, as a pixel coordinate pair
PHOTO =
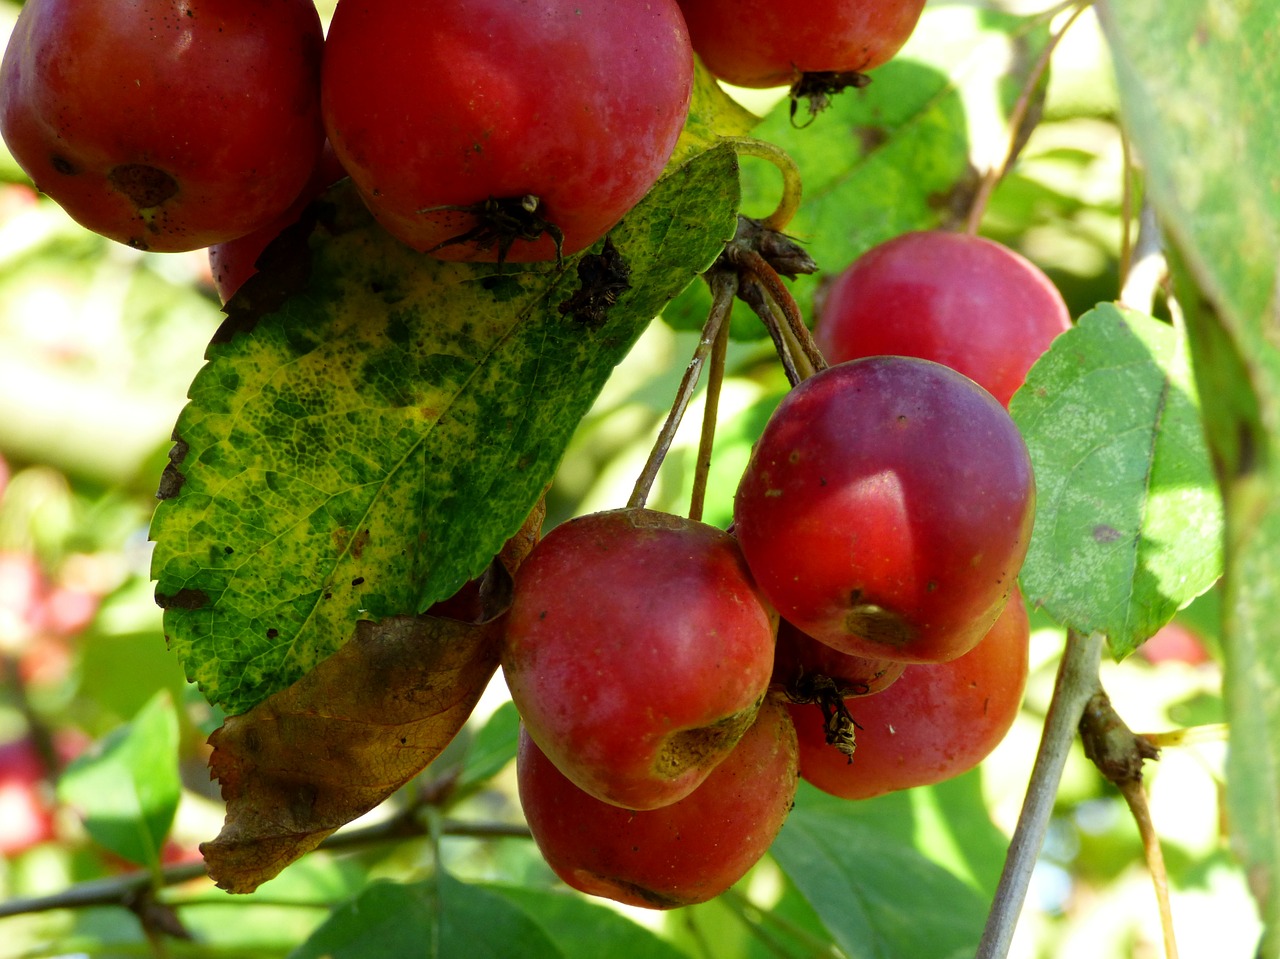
(127, 790)
(1197, 84)
(712, 114)
(877, 896)
(437, 919)
(583, 929)
(366, 447)
(904, 153)
(1128, 518)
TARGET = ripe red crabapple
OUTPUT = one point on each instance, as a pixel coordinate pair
(963, 301)
(637, 650)
(684, 853)
(550, 120)
(769, 43)
(165, 126)
(887, 508)
(937, 721)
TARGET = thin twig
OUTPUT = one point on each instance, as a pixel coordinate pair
(723, 287)
(1017, 116)
(1120, 756)
(1189, 736)
(1148, 267)
(710, 411)
(1136, 797)
(1076, 683)
(754, 295)
(786, 304)
(123, 890)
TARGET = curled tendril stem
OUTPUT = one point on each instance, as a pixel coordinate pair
(792, 190)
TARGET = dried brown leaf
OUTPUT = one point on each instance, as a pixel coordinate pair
(356, 728)
(342, 739)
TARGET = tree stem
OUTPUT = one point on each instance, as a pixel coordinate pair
(1076, 683)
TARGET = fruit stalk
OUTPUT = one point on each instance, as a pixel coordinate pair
(723, 288)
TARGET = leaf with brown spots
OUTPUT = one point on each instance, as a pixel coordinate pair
(373, 423)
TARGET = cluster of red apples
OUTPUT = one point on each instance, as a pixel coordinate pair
(473, 129)
(859, 625)
(480, 130)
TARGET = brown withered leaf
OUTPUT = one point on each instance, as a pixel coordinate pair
(355, 729)
(342, 739)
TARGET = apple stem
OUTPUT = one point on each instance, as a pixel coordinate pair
(764, 291)
(1074, 687)
(792, 189)
(711, 407)
(753, 295)
(724, 286)
(1017, 120)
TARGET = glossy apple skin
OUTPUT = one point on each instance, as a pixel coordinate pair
(768, 43)
(799, 658)
(637, 650)
(165, 126)
(456, 101)
(887, 508)
(684, 853)
(963, 301)
(937, 721)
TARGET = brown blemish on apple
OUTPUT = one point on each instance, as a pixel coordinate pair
(146, 186)
(694, 748)
(878, 625)
(64, 166)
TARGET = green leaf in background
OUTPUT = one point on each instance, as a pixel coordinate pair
(1197, 84)
(367, 447)
(879, 898)
(585, 929)
(127, 791)
(492, 748)
(904, 153)
(1128, 518)
(440, 918)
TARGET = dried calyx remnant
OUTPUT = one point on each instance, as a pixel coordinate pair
(751, 268)
(818, 88)
(604, 276)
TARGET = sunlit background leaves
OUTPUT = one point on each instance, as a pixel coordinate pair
(98, 344)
